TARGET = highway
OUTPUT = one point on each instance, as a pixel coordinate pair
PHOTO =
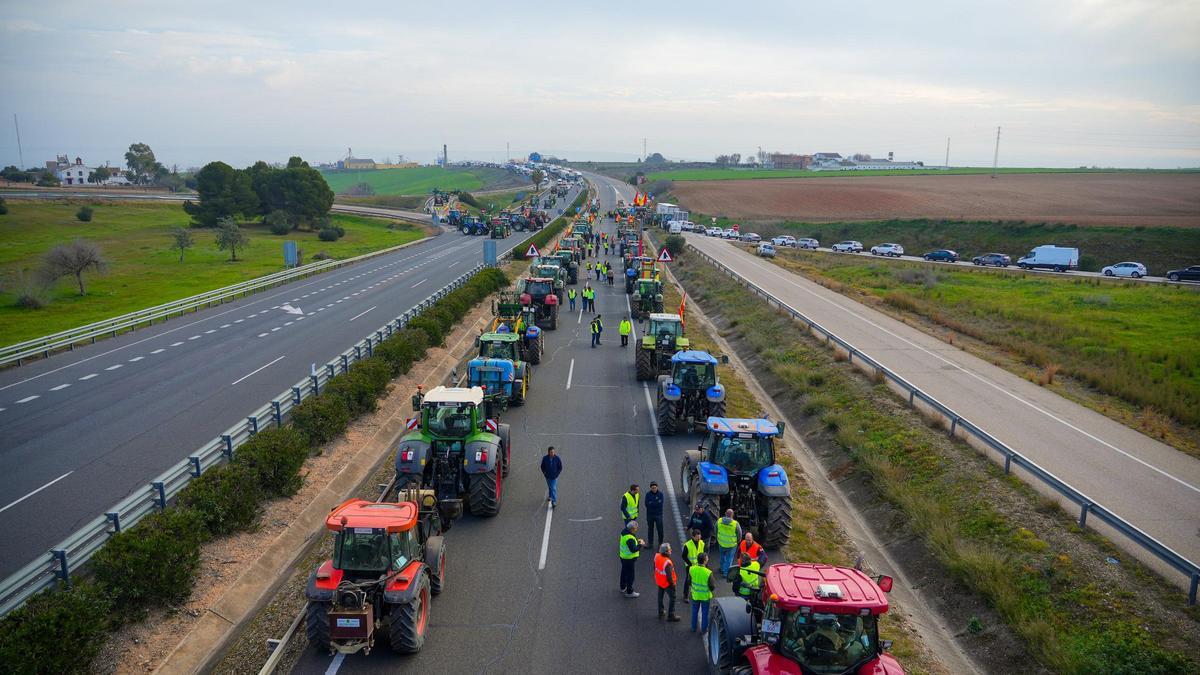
(80, 430)
(1151, 484)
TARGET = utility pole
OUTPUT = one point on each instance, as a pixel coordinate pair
(996, 157)
(947, 165)
(20, 153)
(507, 152)
(643, 148)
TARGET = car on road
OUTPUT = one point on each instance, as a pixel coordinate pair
(751, 237)
(808, 242)
(1189, 273)
(893, 250)
(713, 231)
(941, 255)
(993, 259)
(730, 234)
(1125, 269)
(785, 240)
(766, 250)
(675, 227)
(848, 246)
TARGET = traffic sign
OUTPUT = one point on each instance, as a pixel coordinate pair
(665, 256)
(532, 252)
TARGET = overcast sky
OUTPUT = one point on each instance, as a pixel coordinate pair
(1071, 82)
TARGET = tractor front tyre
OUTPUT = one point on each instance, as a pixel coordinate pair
(716, 409)
(485, 491)
(665, 415)
(777, 528)
(519, 396)
(316, 625)
(645, 364)
(409, 621)
(435, 558)
(505, 449)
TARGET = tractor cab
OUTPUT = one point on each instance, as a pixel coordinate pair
(500, 345)
(661, 340)
(742, 447)
(372, 538)
(499, 369)
(693, 371)
(647, 298)
(667, 331)
(451, 414)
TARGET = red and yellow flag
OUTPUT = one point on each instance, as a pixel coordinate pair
(682, 309)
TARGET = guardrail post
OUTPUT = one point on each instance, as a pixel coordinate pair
(228, 451)
(1083, 513)
(911, 394)
(357, 353)
(115, 519)
(64, 572)
(1007, 462)
(370, 346)
(332, 369)
(953, 425)
(253, 420)
(278, 408)
(316, 384)
(161, 489)
(296, 395)
(1192, 590)
(195, 465)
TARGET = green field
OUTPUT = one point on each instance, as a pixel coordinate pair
(751, 174)
(142, 270)
(417, 181)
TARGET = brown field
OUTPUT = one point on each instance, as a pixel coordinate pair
(1086, 199)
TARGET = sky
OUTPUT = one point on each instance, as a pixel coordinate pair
(1069, 82)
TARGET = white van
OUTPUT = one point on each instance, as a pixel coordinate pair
(675, 227)
(1057, 258)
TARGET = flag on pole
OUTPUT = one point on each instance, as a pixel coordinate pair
(682, 308)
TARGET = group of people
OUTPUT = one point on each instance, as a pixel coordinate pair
(589, 298)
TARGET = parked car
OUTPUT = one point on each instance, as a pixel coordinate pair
(676, 227)
(766, 250)
(689, 226)
(996, 259)
(941, 255)
(808, 243)
(1189, 273)
(893, 250)
(729, 234)
(1048, 257)
(848, 246)
(751, 237)
(785, 240)
(1125, 269)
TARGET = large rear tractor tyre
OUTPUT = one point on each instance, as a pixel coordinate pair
(505, 448)
(554, 318)
(316, 625)
(535, 352)
(665, 414)
(409, 621)
(435, 558)
(485, 492)
(727, 622)
(710, 503)
(777, 528)
(645, 364)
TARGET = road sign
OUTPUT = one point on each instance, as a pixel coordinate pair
(665, 256)
(532, 252)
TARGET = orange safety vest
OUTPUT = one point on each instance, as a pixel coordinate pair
(661, 564)
(753, 550)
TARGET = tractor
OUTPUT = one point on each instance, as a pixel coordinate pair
(389, 558)
(690, 393)
(473, 226)
(575, 245)
(499, 370)
(500, 228)
(807, 618)
(637, 266)
(510, 316)
(662, 339)
(734, 468)
(567, 259)
(539, 294)
(647, 298)
(550, 267)
(455, 447)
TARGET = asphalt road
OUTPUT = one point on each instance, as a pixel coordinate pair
(81, 430)
(1148, 483)
(532, 590)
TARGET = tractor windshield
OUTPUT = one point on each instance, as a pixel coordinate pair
(537, 287)
(665, 331)
(695, 375)
(829, 643)
(498, 350)
(742, 455)
(450, 420)
(361, 550)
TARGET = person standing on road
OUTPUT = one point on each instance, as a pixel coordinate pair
(599, 270)
(589, 268)
(624, 329)
(752, 548)
(692, 549)
(700, 520)
(551, 469)
(630, 501)
(571, 298)
(665, 579)
(745, 577)
(654, 515)
(597, 328)
(729, 531)
(630, 549)
(608, 271)
(701, 583)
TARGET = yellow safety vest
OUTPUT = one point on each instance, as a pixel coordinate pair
(692, 550)
(750, 582)
(626, 554)
(631, 505)
(727, 533)
(699, 576)
(625, 327)
(571, 293)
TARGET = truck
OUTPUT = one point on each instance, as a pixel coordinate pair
(1050, 257)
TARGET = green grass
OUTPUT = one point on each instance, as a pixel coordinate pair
(403, 202)
(417, 181)
(753, 174)
(143, 271)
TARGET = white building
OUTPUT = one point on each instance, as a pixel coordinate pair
(77, 174)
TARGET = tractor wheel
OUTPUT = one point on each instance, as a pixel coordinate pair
(716, 409)
(409, 621)
(711, 503)
(506, 448)
(519, 396)
(645, 364)
(554, 318)
(485, 491)
(535, 352)
(435, 558)
(777, 528)
(719, 647)
(685, 484)
(317, 624)
(658, 306)
(665, 413)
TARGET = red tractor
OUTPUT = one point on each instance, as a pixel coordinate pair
(539, 294)
(388, 559)
(808, 619)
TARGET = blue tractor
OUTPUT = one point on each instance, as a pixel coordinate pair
(735, 469)
(690, 394)
(499, 369)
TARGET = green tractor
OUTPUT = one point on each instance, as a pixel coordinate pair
(457, 449)
(567, 258)
(690, 393)
(647, 298)
(550, 267)
(501, 228)
(662, 339)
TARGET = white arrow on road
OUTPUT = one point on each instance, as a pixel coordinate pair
(291, 310)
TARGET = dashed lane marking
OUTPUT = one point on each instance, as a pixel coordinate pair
(59, 387)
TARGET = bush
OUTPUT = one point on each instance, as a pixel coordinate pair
(431, 328)
(3, 207)
(402, 350)
(328, 234)
(674, 244)
(84, 214)
(153, 562)
(275, 457)
(321, 418)
(358, 388)
(279, 221)
(226, 497)
(56, 631)
(322, 255)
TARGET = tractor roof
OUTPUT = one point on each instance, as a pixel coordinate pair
(499, 337)
(824, 588)
(454, 395)
(665, 318)
(693, 356)
(734, 425)
(389, 516)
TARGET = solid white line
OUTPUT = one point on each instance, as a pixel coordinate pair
(420, 282)
(87, 377)
(335, 664)
(59, 387)
(12, 504)
(255, 371)
(570, 373)
(358, 315)
(114, 367)
(546, 537)
(27, 399)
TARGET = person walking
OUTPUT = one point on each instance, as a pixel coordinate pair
(654, 515)
(701, 583)
(551, 469)
(630, 548)
(630, 501)
(625, 329)
(599, 270)
(589, 268)
(597, 328)
(665, 579)
(571, 298)
(752, 548)
(700, 520)
(608, 271)
(729, 531)
(692, 548)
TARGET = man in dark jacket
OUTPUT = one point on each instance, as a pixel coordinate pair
(654, 515)
(700, 520)
(551, 468)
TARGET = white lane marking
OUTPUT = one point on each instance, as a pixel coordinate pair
(136, 359)
(195, 337)
(175, 344)
(276, 328)
(546, 536)
(420, 282)
(87, 377)
(262, 334)
(59, 387)
(27, 399)
(335, 664)
(299, 318)
(570, 373)
(14, 503)
(358, 315)
(453, 264)
(114, 367)
(981, 378)
(585, 520)
(257, 370)
(225, 325)
(158, 351)
(239, 320)
(210, 332)
(289, 323)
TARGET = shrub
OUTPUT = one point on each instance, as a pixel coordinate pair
(3, 207)
(84, 214)
(153, 562)
(403, 349)
(321, 418)
(328, 234)
(431, 328)
(279, 221)
(226, 497)
(275, 457)
(674, 244)
(355, 389)
(322, 255)
(56, 631)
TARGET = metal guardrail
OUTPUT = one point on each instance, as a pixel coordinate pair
(67, 339)
(58, 564)
(1087, 505)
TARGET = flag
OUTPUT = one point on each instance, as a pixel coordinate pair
(682, 309)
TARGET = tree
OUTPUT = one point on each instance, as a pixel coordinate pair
(656, 158)
(143, 166)
(230, 237)
(536, 178)
(3, 207)
(300, 190)
(223, 191)
(279, 222)
(722, 160)
(73, 259)
(84, 214)
(100, 174)
(48, 179)
(861, 157)
(181, 238)
(735, 159)
(12, 173)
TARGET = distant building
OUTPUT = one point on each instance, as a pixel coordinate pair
(820, 157)
(76, 173)
(356, 163)
(779, 160)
